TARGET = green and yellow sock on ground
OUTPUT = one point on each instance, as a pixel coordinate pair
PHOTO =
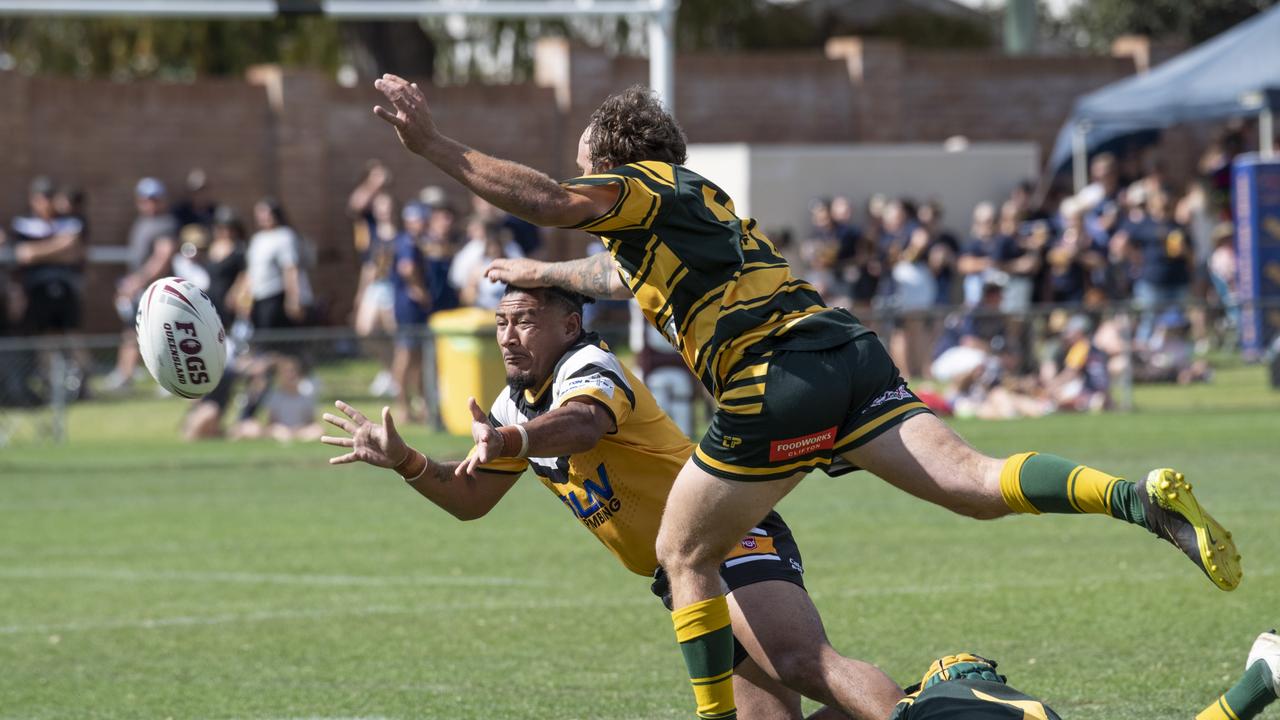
(1246, 699)
(1034, 483)
(706, 641)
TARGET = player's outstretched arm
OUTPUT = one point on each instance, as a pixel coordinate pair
(518, 189)
(594, 276)
(573, 428)
(381, 446)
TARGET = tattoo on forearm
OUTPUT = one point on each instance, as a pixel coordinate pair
(592, 276)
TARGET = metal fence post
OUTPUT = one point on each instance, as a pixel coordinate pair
(58, 393)
(430, 388)
(1126, 376)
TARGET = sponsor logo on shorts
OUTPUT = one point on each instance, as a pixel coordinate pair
(749, 543)
(899, 393)
(804, 445)
(795, 565)
(731, 441)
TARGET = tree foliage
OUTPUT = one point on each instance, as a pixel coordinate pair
(1098, 22)
(138, 48)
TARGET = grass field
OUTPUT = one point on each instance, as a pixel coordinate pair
(144, 578)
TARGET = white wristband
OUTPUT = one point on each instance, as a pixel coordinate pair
(524, 441)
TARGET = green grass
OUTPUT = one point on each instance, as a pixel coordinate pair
(141, 577)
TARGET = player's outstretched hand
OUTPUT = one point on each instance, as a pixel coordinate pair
(411, 116)
(375, 444)
(521, 272)
(489, 442)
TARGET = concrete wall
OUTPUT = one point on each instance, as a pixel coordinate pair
(775, 183)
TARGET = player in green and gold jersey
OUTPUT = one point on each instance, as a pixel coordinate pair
(800, 386)
(967, 687)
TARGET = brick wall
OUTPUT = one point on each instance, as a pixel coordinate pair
(992, 97)
(103, 136)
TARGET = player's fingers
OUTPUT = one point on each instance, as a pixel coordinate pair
(465, 466)
(387, 422)
(477, 412)
(338, 422)
(339, 441)
(390, 117)
(352, 413)
(343, 459)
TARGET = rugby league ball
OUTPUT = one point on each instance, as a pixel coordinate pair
(180, 337)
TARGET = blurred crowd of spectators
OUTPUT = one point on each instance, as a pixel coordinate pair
(416, 256)
(971, 309)
(967, 308)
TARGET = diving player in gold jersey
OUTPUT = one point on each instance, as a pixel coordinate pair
(596, 438)
(800, 386)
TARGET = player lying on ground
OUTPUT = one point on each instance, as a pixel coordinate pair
(800, 386)
(966, 687)
(597, 439)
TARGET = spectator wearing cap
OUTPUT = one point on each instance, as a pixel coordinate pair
(49, 251)
(1161, 250)
(153, 241)
(486, 242)
(412, 308)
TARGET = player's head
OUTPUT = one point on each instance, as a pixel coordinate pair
(536, 326)
(630, 127)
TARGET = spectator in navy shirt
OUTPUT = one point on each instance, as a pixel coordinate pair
(412, 308)
(943, 250)
(978, 257)
(1162, 252)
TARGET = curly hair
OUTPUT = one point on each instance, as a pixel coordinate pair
(632, 126)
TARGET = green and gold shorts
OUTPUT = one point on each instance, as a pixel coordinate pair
(789, 411)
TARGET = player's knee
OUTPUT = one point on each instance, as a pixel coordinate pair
(678, 552)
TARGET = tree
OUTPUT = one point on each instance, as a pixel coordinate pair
(1098, 22)
(139, 48)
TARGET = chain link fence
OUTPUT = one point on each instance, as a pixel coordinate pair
(1010, 370)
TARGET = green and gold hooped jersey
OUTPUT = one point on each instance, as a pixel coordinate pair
(618, 489)
(710, 281)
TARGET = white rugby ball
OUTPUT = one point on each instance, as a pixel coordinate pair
(181, 338)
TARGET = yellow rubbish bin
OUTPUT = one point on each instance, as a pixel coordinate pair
(468, 364)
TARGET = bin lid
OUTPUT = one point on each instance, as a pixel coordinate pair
(463, 321)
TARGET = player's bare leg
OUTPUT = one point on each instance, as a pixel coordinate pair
(782, 631)
(927, 459)
(705, 518)
(761, 697)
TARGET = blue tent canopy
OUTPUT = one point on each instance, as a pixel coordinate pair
(1236, 73)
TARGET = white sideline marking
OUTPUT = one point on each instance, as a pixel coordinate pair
(269, 615)
(270, 578)
(342, 718)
